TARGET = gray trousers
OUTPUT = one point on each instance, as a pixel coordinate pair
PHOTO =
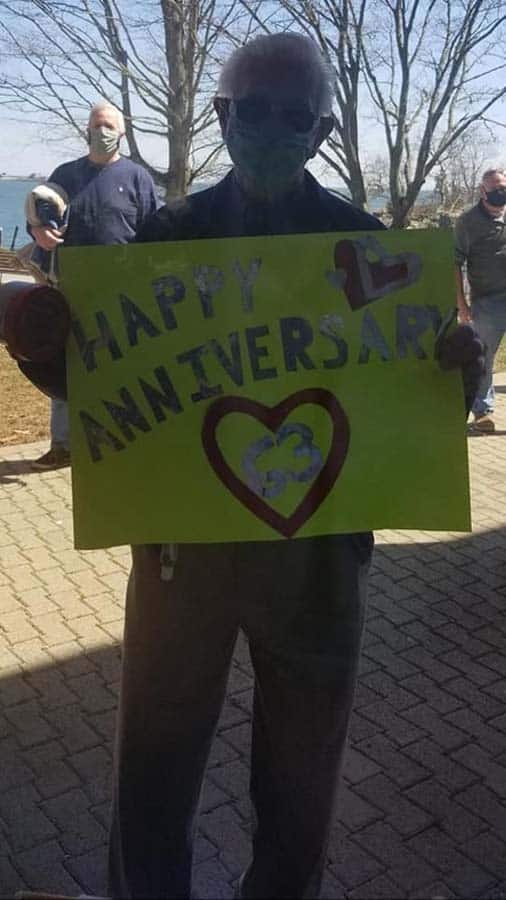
(301, 605)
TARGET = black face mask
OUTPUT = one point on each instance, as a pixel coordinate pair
(497, 197)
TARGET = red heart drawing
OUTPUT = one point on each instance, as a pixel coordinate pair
(366, 281)
(272, 418)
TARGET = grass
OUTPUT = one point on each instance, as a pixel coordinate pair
(500, 360)
(25, 411)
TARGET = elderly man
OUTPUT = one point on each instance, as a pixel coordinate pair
(109, 200)
(300, 602)
(480, 239)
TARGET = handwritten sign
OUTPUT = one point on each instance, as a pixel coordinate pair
(263, 389)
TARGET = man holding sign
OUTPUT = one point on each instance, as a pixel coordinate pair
(280, 573)
(300, 602)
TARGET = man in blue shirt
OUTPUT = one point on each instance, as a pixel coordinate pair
(110, 198)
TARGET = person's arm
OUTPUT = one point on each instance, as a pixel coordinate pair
(463, 307)
(461, 256)
(462, 349)
(44, 236)
(158, 227)
(148, 200)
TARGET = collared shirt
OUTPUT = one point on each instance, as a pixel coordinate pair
(480, 243)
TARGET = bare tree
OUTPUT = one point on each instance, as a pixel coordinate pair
(458, 174)
(430, 69)
(338, 28)
(154, 60)
(433, 71)
(375, 172)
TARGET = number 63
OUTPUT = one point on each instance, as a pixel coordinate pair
(272, 483)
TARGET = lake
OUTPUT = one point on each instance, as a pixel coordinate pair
(12, 201)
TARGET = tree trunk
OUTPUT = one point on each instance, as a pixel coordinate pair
(400, 213)
(178, 174)
(402, 204)
(357, 186)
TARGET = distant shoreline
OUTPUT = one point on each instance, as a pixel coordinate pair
(33, 177)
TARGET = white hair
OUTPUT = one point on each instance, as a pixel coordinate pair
(275, 50)
(491, 172)
(104, 105)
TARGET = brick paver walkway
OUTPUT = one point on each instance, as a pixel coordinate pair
(422, 808)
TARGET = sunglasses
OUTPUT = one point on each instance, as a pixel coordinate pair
(254, 110)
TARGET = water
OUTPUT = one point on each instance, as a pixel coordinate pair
(12, 201)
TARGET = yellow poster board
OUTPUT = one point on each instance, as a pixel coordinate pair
(263, 388)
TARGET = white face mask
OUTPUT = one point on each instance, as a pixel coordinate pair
(103, 141)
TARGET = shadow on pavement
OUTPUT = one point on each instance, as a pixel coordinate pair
(16, 467)
(422, 807)
(4, 479)
(472, 433)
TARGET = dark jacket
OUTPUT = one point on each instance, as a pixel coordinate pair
(480, 243)
(223, 211)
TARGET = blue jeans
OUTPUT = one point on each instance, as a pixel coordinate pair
(489, 317)
(60, 432)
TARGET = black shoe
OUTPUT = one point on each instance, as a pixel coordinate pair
(55, 458)
(484, 423)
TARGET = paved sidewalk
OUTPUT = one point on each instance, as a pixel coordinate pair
(422, 808)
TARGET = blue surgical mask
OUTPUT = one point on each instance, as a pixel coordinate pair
(268, 159)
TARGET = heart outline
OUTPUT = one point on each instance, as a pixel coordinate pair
(272, 417)
(365, 282)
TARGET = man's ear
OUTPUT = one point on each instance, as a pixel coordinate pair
(325, 127)
(222, 105)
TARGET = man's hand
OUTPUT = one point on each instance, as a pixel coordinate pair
(463, 349)
(460, 348)
(47, 238)
(464, 312)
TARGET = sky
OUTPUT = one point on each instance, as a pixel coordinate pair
(28, 146)
(25, 151)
